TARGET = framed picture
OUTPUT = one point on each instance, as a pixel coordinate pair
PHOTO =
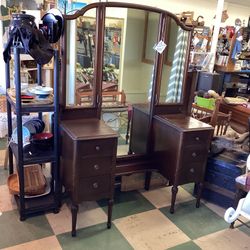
(150, 38)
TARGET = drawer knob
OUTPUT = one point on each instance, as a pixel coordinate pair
(95, 185)
(96, 167)
(191, 170)
(194, 154)
(97, 148)
(197, 138)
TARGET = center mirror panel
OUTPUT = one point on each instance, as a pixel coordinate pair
(127, 77)
(176, 56)
(80, 60)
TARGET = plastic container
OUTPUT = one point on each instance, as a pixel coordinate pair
(208, 103)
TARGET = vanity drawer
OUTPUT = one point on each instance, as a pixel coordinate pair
(94, 188)
(93, 166)
(193, 172)
(196, 138)
(194, 154)
(96, 147)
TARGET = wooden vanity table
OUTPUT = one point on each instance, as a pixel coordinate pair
(162, 136)
(88, 161)
(181, 145)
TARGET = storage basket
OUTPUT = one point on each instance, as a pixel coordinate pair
(3, 104)
(208, 103)
(34, 181)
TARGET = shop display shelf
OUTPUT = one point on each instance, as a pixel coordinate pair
(36, 205)
(40, 156)
(31, 108)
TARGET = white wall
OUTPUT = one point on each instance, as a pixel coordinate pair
(237, 11)
(205, 8)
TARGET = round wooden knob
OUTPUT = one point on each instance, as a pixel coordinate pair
(97, 148)
(191, 170)
(95, 185)
(197, 138)
(194, 154)
(96, 167)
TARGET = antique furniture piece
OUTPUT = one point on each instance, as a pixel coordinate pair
(219, 120)
(221, 171)
(186, 150)
(239, 118)
(88, 162)
(158, 91)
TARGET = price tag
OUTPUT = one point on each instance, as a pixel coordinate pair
(160, 46)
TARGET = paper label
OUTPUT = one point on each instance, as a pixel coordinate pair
(160, 46)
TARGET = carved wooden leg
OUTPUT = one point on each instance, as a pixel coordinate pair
(147, 180)
(74, 211)
(174, 192)
(199, 192)
(110, 206)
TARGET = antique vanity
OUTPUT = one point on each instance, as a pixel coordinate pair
(107, 49)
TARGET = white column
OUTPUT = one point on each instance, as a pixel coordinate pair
(219, 9)
(2, 64)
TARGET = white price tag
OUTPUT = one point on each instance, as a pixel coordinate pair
(160, 46)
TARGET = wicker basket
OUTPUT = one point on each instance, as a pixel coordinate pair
(34, 181)
(3, 105)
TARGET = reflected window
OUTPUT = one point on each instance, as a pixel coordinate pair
(173, 74)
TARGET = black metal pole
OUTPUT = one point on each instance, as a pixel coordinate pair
(39, 82)
(39, 74)
(55, 122)
(19, 128)
(9, 116)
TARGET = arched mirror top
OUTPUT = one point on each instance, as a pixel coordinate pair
(81, 45)
(127, 5)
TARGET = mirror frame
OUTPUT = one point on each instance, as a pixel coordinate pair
(155, 108)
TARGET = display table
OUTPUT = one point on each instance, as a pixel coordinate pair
(239, 119)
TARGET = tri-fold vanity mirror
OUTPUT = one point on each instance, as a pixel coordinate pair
(125, 101)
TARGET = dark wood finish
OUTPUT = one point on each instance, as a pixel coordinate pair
(239, 118)
(220, 121)
(88, 162)
(165, 143)
(181, 146)
(139, 129)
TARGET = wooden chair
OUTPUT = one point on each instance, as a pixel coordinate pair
(220, 121)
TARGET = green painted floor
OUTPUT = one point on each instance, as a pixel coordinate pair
(141, 220)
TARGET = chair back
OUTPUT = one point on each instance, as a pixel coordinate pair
(220, 121)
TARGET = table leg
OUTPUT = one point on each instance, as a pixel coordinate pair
(110, 207)
(199, 192)
(174, 192)
(74, 211)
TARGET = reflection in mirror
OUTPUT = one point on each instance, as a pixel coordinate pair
(80, 59)
(127, 78)
(150, 35)
(173, 74)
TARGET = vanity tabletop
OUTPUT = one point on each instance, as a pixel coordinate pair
(183, 122)
(84, 129)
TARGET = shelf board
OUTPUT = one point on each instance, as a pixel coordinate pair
(38, 204)
(38, 156)
(31, 108)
